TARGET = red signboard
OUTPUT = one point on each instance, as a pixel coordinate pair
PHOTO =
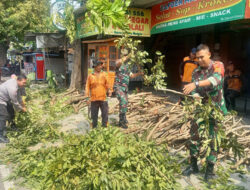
(247, 13)
(40, 67)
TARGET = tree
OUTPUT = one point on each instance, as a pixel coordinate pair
(18, 17)
(101, 13)
(76, 76)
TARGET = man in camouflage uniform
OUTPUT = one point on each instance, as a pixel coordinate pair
(207, 82)
(122, 76)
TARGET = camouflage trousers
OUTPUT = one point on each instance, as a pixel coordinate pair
(196, 141)
(122, 96)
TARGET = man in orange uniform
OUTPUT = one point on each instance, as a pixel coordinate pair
(187, 67)
(233, 88)
(96, 88)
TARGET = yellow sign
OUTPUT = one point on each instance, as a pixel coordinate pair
(140, 23)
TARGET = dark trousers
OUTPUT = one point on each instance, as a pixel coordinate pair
(103, 105)
(11, 112)
(4, 117)
(230, 96)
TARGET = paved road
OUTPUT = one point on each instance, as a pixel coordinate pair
(4, 173)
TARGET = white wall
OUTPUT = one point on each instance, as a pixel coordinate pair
(55, 64)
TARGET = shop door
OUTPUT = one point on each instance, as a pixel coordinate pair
(40, 67)
(102, 55)
(113, 56)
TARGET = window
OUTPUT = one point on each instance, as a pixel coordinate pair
(101, 52)
(112, 58)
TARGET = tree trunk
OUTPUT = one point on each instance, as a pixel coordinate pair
(85, 64)
(66, 61)
(76, 76)
(3, 53)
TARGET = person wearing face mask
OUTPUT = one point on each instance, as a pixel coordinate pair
(207, 82)
(10, 95)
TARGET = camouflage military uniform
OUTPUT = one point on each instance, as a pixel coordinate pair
(121, 90)
(121, 86)
(215, 75)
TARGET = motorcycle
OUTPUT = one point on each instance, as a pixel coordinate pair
(8, 71)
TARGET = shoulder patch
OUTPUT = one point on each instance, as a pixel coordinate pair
(219, 68)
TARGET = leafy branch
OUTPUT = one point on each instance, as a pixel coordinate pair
(139, 58)
(204, 115)
(103, 13)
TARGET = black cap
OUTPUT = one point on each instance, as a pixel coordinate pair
(96, 63)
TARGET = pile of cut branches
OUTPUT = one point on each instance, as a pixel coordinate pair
(156, 118)
(72, 97)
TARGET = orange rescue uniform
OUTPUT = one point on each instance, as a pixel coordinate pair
(97, 86)
(234, 82)
(188, 67)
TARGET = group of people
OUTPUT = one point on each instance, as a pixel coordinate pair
(233, 80)
(97, 88)
(201, 77)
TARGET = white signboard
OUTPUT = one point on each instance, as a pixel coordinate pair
(57, 11)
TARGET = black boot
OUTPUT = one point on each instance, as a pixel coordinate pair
(209, 172)
(125, 118)
(122, 122)
(120, 118)
(192, 169)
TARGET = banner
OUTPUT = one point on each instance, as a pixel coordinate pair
(58, 11)
(247, 14)
(179, 14)
(140, 23)
(83, 30)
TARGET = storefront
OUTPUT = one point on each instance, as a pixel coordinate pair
(105, 51)
(102, 46)
(178, 26)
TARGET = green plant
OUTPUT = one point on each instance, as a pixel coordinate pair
(103, 13)
(222, 181)
(105, 158)
(69, 22)
(37, 125)
(54, 80)
(204, 114)
(156, 76)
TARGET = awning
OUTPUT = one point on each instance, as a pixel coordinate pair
(49, 40)
(99, 41)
